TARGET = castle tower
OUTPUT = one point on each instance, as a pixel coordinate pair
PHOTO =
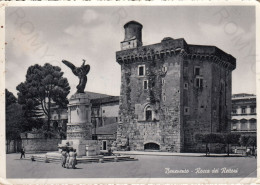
(170, 91)
(133, 35)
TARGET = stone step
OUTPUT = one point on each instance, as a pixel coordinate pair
(42, 159)
(54, 159)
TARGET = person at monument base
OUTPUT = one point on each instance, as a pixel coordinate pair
(74, 163)
(63, 158)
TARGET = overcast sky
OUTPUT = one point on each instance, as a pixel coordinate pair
(37, 35)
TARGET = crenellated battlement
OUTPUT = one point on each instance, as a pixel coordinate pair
(176, 47)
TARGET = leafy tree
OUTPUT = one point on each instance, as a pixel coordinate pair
(43, 87)
(252, 141)
(209, 138)
(247, 140)
(231, 138)
(13, 122)
(13, 116)
(227, 139)
(9, 98)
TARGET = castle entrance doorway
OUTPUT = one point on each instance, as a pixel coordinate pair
(151, 146)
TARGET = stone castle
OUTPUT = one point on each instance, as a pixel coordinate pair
(170, 91)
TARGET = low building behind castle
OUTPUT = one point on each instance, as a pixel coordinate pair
(244, 120)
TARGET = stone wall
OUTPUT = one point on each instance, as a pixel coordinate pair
(196, 100)
(163, 98)
(13, 146)
(209, 105)
(109, 138)
(38, 143)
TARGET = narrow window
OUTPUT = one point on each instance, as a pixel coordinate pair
(148, 114)
(103, 111)
(197, 71)
(185, 85)
(141, 70)
(164, 98)
(145, 84)
(243, 110)
(234, 111)
(163, 81)
(199, 82)
(234, 127)
(253, 110)
(186, 110)
(164, 69)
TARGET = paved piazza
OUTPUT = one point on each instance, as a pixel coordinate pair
(145, 167)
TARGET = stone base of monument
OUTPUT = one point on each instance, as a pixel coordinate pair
(79, 127)
(83, 147)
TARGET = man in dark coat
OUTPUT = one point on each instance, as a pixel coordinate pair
(22, 153)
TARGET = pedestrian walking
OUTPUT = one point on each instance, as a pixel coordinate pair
(207, 150)
(248, 151)
(253, 151)
(22, 153)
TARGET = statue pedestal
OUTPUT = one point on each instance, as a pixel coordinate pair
(79, 128)
(84, 147)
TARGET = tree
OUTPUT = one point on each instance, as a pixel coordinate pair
(223, 138)
(252, 141)
(209, 138)
(9, 98)
(231, 138)
(13, 121)
(43, 87)
(247, 140)
(13, 116)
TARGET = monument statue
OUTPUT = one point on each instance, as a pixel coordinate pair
(81, 72)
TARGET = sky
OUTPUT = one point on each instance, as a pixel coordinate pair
(39, 35)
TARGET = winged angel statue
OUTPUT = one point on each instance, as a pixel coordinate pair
(81, 72)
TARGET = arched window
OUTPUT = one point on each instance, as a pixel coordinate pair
(148, 114)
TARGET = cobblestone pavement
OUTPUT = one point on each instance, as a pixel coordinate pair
(145, 167)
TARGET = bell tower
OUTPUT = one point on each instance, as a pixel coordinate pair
(133, 35)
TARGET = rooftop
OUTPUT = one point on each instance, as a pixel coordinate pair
(103, 100)
(93, 95)
(243, 96)
(133, 22)
(169, 44)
